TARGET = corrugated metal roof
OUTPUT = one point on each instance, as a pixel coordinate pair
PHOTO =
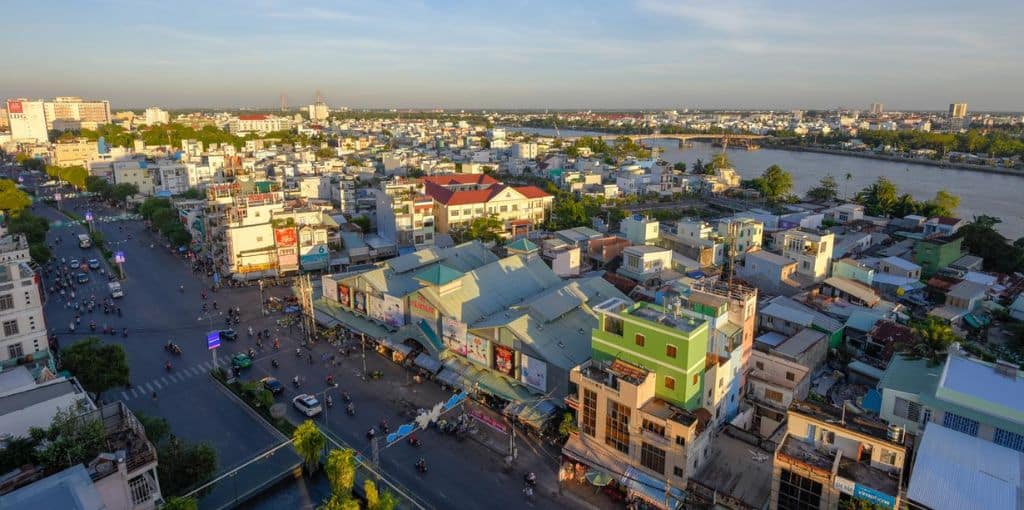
(954, 471)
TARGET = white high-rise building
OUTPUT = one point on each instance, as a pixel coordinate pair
(155, 115)
(21, 306)
(877, 108)
(319, 111)
(27, 121)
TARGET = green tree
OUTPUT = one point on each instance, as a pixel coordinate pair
(309, 443)
(932, 337)
(567, 426)
(30, 163)
(325, 153)
(97, 366)
(97, 184)
(184, 465)
(944, 204)
(177, 503)
(151, 205)
(121, 192)
(157, 429)
(485, 229)
(371, 494)
(681, 166)
(905, 205)
(363, 222)
(12, 199)
(720, 161)
(72, 438)
(775, 182)
(981, 238)
(193, 194)
(826, 190)
(879, 198)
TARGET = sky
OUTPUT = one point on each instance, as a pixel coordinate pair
(600, 54)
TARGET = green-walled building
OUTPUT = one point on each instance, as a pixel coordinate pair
(671, 345)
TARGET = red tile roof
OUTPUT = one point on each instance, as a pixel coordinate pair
(252, 117)
(946, 220)
(459, 179)
(531, 192)
(449, 197)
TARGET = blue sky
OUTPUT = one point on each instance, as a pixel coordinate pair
(520, 54)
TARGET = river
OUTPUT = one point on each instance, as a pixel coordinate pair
(997, 195)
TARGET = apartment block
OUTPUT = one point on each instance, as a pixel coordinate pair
(461, 198)
(78, 151)
(741, 235)
(24, 339)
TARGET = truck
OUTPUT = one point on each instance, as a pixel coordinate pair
(84, 241)
(115, 289)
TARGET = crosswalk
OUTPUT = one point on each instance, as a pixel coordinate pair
(178, 375)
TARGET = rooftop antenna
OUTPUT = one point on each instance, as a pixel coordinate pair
(319, 98)
(284, 102)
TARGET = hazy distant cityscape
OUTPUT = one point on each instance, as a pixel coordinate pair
(325, 302)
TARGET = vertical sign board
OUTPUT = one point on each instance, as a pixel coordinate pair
(359, 301)
(533, 372)
(477, 349)
(504, 360)
(394, 311)
(453, 333)
(213, 340)
(345, 295)
(330, 286)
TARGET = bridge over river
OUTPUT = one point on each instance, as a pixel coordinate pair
(742, 139)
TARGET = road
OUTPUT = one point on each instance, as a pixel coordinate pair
(461, 474)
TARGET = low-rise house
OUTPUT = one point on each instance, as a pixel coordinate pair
(850, 291)
(935, 253)
(899, 267)
(810, 248)
(784, 315)
(943, 226)
(966, 295)
(641, 263)
(771, 273)
(827, 459)
(853, 270)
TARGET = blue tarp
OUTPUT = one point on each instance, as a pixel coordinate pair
(872, 401)
(652, 489)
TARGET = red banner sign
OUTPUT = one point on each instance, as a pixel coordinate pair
(285, 237)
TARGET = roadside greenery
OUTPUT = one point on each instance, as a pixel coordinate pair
(309, 444)
(34, 228)
(981, 238)
(74, 175)
(12, 199)
(341, 475)
(997, 144)
(257, 398)
(882, 199)
(98, 366)
(774, 184)
(826, 190)
(69, 440)
(164, 218)
(111, 192)
(183, 464)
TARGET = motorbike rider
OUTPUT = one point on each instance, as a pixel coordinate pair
(350, 409)
(167, 365)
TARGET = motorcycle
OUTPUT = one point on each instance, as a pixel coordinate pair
(530, 479)
(298, 352)
(329, 401)
(376, 374)
(346, 396)
(415, 442)
(167, 366)
(124, 332)
(421, 466)
(350, 409)
(274, 363)
(295, 381)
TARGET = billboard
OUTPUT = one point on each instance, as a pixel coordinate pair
(14, 107)
(533, 373)
(476, 348)
(344, 296)
(285, 237)
(421, 307)
(504, 360)
(330, 287)
(287, 258)
(394, 311)
(315, 257)
(453, 333)
(359, 301)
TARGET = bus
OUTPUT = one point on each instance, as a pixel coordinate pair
(84, 241)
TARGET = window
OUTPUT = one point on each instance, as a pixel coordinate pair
(774, 396)
(657, 428)
(678, 471)
(455, 212)
(6, 302)
(797, 492)
(1009, 439)
(588, 421)
(653, 458)
(670, 351)
(696, 378)
(955, 422)
(888, 456)
(790, 376)
(15, 351)
(759, 365)
(617, 427)
(10, 328)
(907, 409)
(680, 440)
(639, 340)
(670, 383)
(613, 325)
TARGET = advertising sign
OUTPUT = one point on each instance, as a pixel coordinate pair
(212, 340)
(315, 257)
(344, 296)
(394, 311)
(533, 372)
(476, 348)
(453, 333)
(330, 287)
(285, 237)
(287, 258)
(873, 496)
(486, 419)
(375, 306)
(359, 301)
(421, 307)
(504, 360)
(14, 107)
(119, 257)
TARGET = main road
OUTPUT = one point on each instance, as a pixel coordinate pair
(461, 474)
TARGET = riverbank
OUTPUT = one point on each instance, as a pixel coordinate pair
(898, 159)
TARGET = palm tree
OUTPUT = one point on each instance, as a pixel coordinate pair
(932, 338)
(309, 443)
(846, 186)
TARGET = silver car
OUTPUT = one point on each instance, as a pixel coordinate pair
(308, 404)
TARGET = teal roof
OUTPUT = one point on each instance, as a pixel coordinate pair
(910, 376)
(523, 245)
(438, 274)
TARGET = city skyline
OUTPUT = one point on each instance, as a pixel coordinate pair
(647, 54)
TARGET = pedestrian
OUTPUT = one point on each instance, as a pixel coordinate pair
(154, 395)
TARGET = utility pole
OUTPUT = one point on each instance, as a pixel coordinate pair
(362, 343)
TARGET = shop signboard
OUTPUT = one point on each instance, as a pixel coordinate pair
(359, 301)
(330, 288)
(453, 333)
(504, 360)
(477, 349)
(285, 237)
(394, 311)
(421, 307)
(375, 305)
(533, 372)
(315, 258)
(345, 296)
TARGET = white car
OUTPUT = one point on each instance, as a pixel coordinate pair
(308, 404)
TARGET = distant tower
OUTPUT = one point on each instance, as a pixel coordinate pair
(958, 117)
(284, 102)
(319, 98)
(877, 108)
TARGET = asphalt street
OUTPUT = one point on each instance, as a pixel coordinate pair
(461, 474)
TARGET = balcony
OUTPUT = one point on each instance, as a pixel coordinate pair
(655, 438)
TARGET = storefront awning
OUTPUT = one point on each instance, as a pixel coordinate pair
(419, 332)
(398, 347)
(427, 362)
(652, 489)
(538, 413)
(330, 315)
(499, 386)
